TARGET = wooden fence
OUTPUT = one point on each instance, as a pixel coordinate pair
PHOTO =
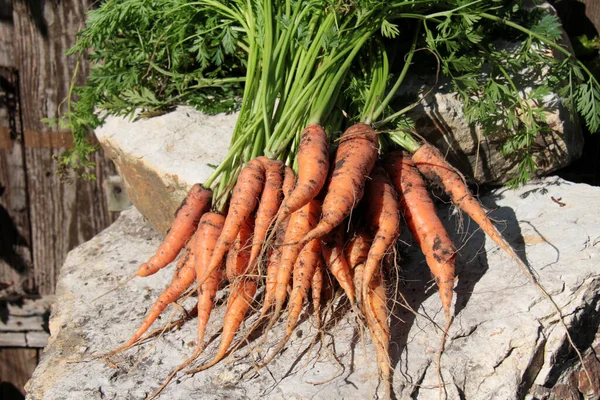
(41, 219)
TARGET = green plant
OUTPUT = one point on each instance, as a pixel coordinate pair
(284, 64)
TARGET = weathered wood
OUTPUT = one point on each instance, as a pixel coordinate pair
(15, 233)
(16, 367)
(62, 215)
(7, 58)
(36, 339)
(13, 339)
(25, 315)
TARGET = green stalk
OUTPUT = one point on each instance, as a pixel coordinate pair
(380, 110)
(405, 140)
(326, 101)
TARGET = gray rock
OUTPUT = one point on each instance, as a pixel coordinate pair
(161, 158)
(504, 343)
(440, 119)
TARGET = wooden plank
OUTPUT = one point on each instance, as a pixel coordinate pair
(36, 339)
(15, 234)
(25, 315)
(22, 324)
(47, 139)
(62, 216)
(16, 367)
(13, 339)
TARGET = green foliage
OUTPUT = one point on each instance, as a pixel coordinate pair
(491, 51)
(287, 64)
(150, 55)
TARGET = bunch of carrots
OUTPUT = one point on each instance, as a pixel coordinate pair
(283, 233)
(276, 219)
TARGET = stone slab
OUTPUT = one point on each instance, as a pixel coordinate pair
(505, 341)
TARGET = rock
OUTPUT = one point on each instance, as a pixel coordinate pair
(440, 119)
(504, 343)
(161, 158)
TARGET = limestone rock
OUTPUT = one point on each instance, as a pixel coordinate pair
(440, 119)
(504, 343)
(161, 158)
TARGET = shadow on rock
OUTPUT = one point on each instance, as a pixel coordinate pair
(417, 285)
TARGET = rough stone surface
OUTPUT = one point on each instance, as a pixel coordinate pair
(505, 341)
(161, 158)
(440, 119)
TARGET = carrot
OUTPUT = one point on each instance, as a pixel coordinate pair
(300, 223)
(275, 251)
(307, 263)
(424, 224)
(335, 259)
(316, 287)
(375, 305)
(289, 179)
(354, 160)
(313, 166)
(238, 256)
(183, 278)
(196, 203)
(273, 267)
(358, 247)
(384, 222)
(208, 232)
(244, 200)
(304, 270)
(242, 292)
(273, 260)
(431, 163)
(268, 207)
(357, 252)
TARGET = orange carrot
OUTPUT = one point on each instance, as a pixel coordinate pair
(185, 274)
(273, 267)
(358, 247)
(313, 166)
(384, 222)
(304, 270)
(244, 200)
(431, 163)
(354, 160)
(357, 253)
(289, 179)
(422, 220)
(268, 207)
(238, 256)
(316, 287)
(305, 266)
(209, 230)
(376, 312)
(196, 203)
(273, 259)
(300, 223)
(335, 259)
(242, 292)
